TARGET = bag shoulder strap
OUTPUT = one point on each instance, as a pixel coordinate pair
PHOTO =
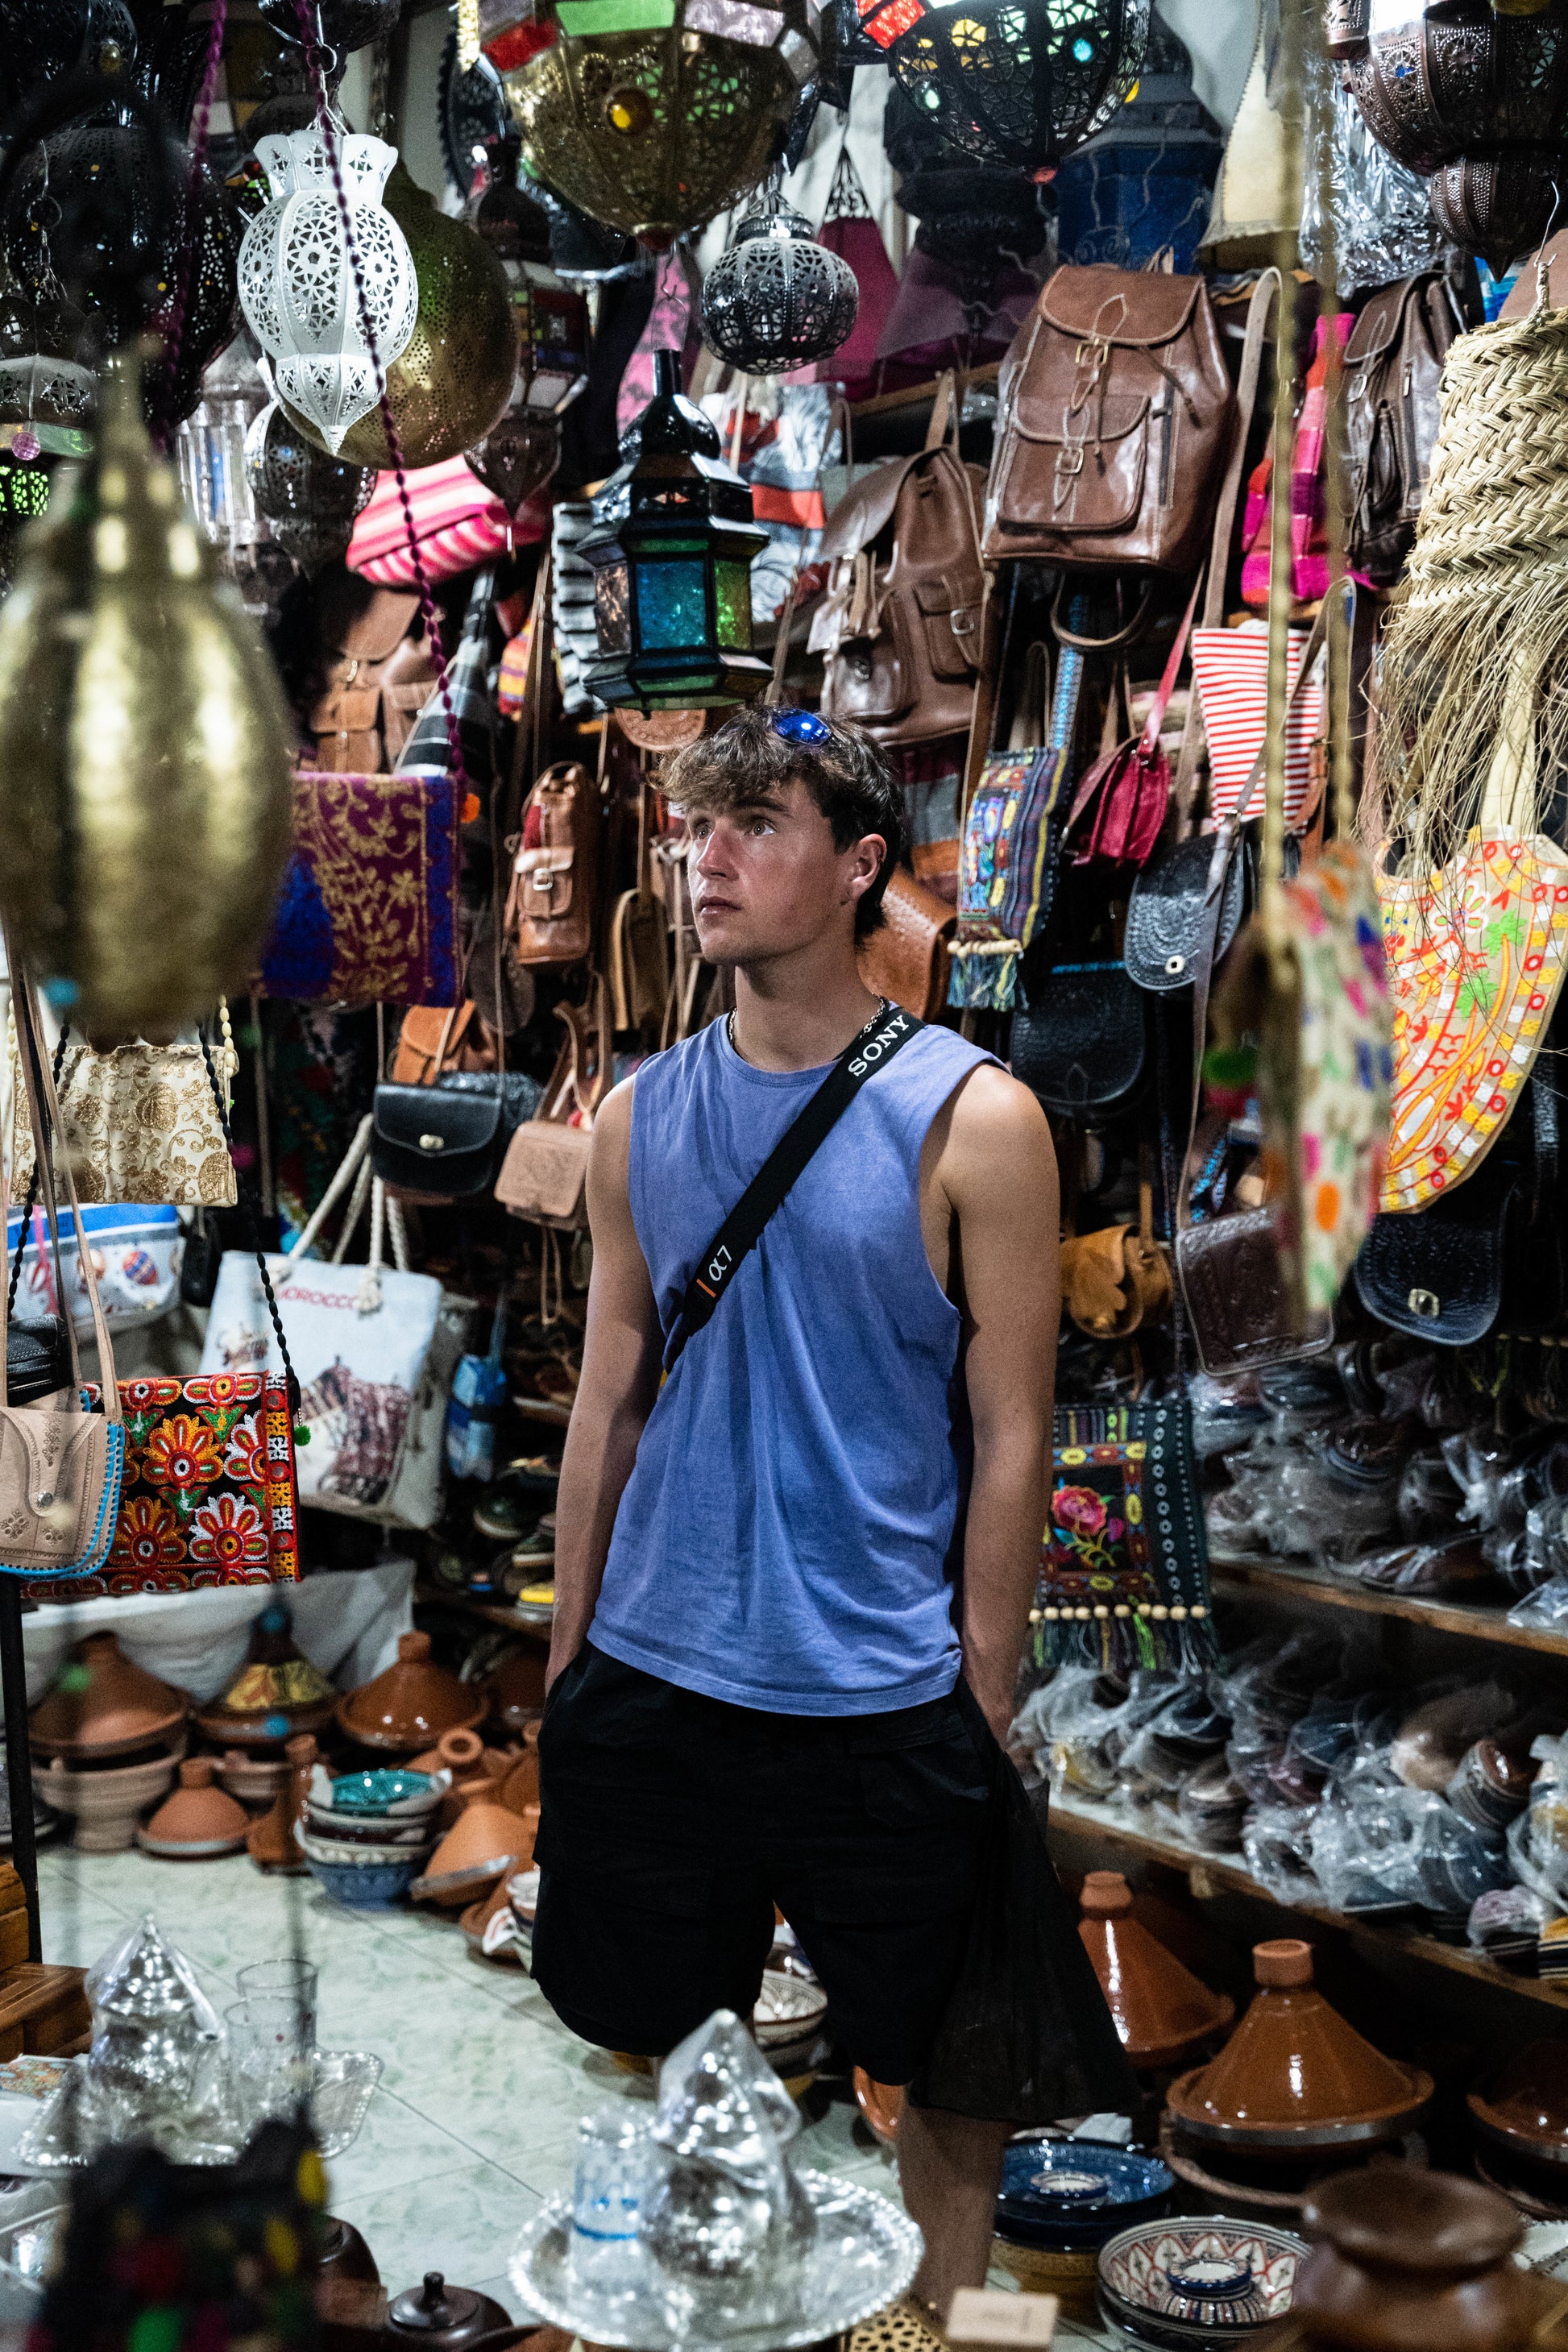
(867, 1053)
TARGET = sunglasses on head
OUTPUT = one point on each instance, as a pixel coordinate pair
(798, 727)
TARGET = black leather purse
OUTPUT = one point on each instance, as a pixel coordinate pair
(1169, 916)
(445, 1142)
(37, 1358)
(1437, 1272)
(1080, 1041)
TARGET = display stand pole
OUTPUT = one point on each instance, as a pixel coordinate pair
(19, 1755)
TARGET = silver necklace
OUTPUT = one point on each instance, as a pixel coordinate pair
(884, 1006)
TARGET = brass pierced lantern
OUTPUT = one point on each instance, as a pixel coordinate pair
(652, 115)
(1474, 102)
(671, 552)
(1019, 82)
(146, 748)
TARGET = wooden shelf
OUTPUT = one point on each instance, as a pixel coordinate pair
(1472, 1619)
(910, 395)
(1211, 1873)
(494, 1613)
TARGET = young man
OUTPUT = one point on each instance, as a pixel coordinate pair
(793, 1581)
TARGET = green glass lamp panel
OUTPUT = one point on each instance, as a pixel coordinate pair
(24, 488)
(612, 609)
(732, 600)
(672, 603)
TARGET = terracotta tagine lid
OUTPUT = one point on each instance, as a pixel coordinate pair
(1523, 2107)
(485, 1842)
(519, 1790)
(100, 1704)
(1406, 2260)
(198, 1817)
(412, 1703)
(516, 1691)
(1162, 2011)
(443, 2319)
(275, 1693)
(1295, 2075)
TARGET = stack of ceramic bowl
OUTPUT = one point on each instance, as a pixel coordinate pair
(112, 1735)
(787, 2026)
(366, 1836)
(1062, 2200)
(1196, 2285)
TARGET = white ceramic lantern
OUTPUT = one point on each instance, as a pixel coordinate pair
(297, 286)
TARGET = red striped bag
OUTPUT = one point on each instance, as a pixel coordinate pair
(1230, 669)
(457, 522)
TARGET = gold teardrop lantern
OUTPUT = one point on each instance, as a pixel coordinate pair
(144, 745)
(454, 381)
(656, 126)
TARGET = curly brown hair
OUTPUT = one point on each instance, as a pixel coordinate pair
(846, 776)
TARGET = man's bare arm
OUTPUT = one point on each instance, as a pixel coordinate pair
(621, 1354)
(998, 1171)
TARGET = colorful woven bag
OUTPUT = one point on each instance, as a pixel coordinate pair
(1007, 852)
(1230, 670)
(1124, 1558)
(457, 522)
(368, 912)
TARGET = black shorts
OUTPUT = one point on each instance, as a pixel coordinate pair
(671, 1823)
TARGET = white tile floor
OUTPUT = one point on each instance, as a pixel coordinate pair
(477, 2114)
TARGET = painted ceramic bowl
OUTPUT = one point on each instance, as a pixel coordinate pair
(339, 1854)
(388, 1791)
(789, 2010)
(329, 1828)
(1066, 2196)
(370, 1889)
(1184, 2286)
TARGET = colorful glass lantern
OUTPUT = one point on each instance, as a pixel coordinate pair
(775, 298)
(1474, 102)
(652, 115)
(671, 552)
(1014, 81)
(1145, 183)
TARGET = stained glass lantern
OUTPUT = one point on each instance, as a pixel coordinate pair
(775, 298)
(309, 499)
(671, 552)
(1019, 82)
(1145, 183)
(1473, 102)
(521, 452)
(652, 115)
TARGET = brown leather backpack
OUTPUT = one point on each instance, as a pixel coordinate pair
(552, 907)
(1114, 421)
(899, 627)
(378, 677)
(1393, 365)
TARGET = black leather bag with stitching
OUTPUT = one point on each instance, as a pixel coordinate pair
(440, 1141)
(1165, 914)
(1080, 1042)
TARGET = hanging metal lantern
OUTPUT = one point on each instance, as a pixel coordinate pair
(457, 370)
(209, 451)
(299, 288)
(146, 746)
(652, 115)
(1473, 102)
(46, 377)
(775, 298)
(340, 25)
(1014, 81)
(1144, 185)
(309, 499)
(521, 452)
(671, 552)
(93, 206)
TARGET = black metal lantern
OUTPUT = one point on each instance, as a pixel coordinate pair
(309, 499)
(775, 298)
(671, 552)
(520, 453)
(1014, 81)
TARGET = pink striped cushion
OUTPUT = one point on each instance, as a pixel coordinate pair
(457, 523)
(1230, 667)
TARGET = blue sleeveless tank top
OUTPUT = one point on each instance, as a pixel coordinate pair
(783, 1539)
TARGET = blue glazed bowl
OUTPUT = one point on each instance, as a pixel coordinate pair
(371, 1886)
(1070, 2196)
(385, 1790)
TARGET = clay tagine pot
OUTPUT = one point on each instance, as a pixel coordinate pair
(271, 1841)
(1523, 2107)
(1163, 2012)
(1295, 2076)
(516, 1691)
(443, 2319)
(199, 1820)
(412, 1703)
(345, 2253)
(1406, 2260)
(881, 2104)
(485, 1843)
(106, 1798)
(103, 1706)
(277, 1691)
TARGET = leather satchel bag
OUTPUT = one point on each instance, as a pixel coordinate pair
(377, 676)
(1115, 417)
(1116, 1280)
(899, 627)
(440, 1137)
(1393, 368)
(908, 960)
(1437, 1272)
(1119, 810)
(544, 1176)
(436, 1037)
(1170, 912)
(1079, 1043)
(551, 906)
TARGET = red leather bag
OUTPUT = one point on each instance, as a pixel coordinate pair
(1120, 806)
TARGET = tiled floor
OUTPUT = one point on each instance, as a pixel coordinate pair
(475, 2117)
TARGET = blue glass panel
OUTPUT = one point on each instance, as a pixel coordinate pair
(672, 603)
